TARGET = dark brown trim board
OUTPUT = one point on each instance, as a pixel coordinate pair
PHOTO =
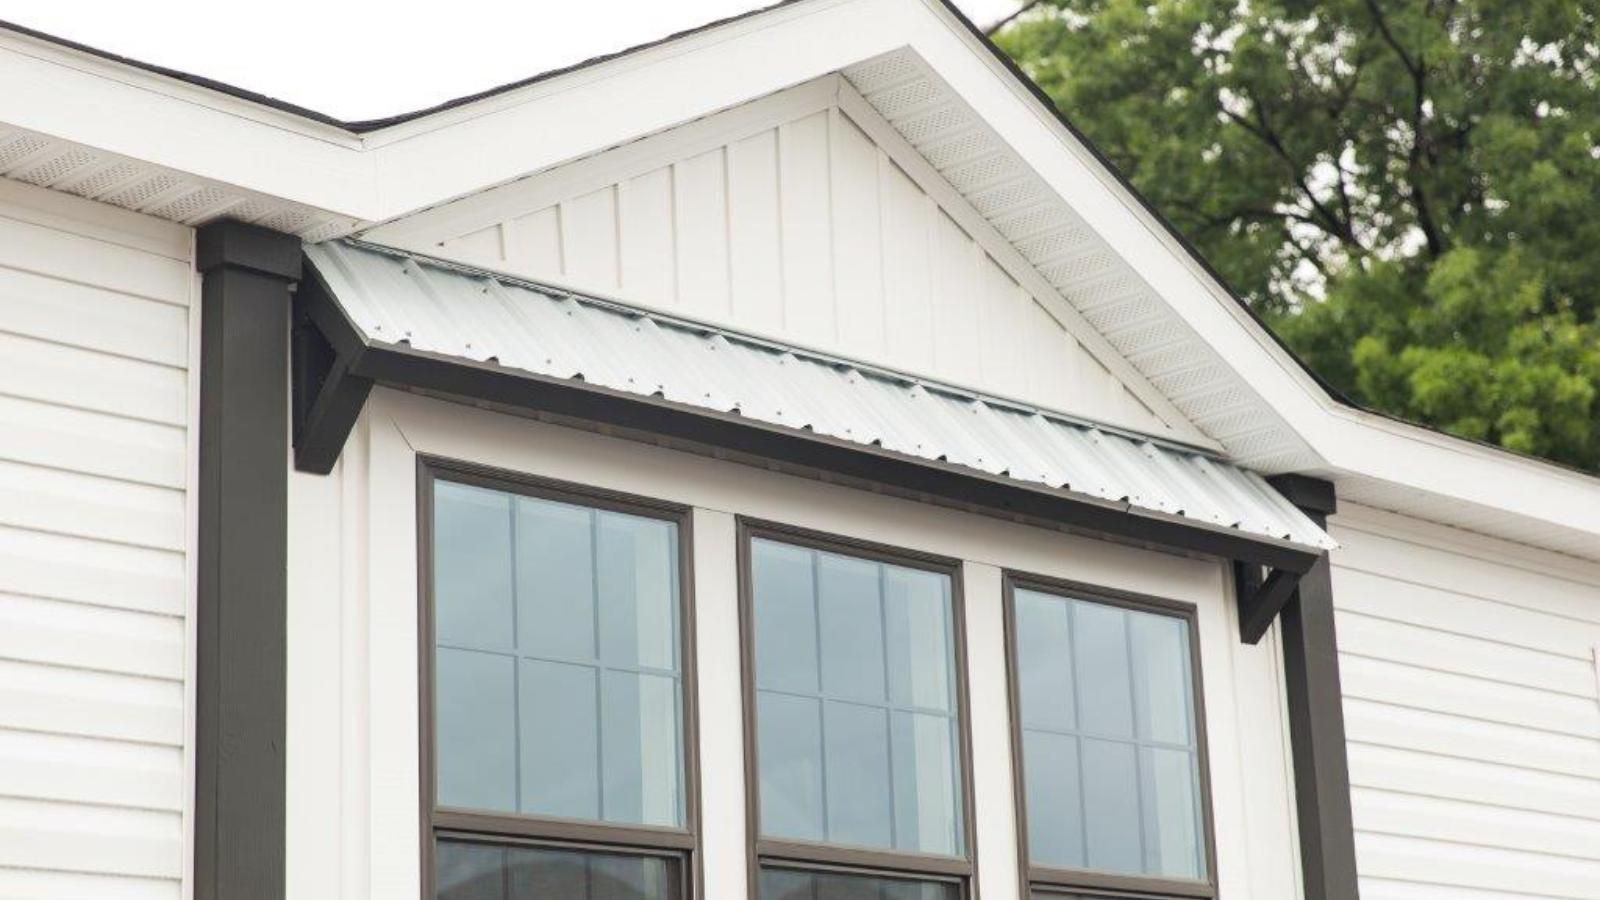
(1073, 881)
(680, 844)
(1316, 714)
(805, 855)
(241, 627)
(327, 397)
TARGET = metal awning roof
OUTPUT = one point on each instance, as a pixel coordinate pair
(404, 300)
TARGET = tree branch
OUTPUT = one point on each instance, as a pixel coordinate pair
(1331, 223)
(1382, 23)
(1419, 139)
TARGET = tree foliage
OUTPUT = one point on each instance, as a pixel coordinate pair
(1408, 190)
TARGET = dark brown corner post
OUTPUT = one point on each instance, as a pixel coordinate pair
(249, 276)
(1316, 713)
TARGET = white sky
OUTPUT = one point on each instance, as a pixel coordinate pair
(358, 59)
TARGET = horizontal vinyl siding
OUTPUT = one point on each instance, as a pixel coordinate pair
(1472, 708)
(809, 232)
(94, 419)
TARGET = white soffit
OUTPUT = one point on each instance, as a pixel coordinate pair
(1078, 262)
(402, 299)
(37, 159)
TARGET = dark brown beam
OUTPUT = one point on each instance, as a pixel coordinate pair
(241, 626)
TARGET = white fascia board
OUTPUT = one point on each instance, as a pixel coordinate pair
(1094, 192)
(1365, 445)
(459, 152)
(110, 106)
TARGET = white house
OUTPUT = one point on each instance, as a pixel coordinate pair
(781, 461)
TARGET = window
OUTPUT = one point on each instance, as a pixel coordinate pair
(857, 744)
(1109, 742)
(556, 692)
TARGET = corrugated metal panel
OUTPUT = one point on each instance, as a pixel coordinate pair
(441, 308)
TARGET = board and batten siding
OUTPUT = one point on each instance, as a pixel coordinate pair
(1470, 683)
(96, 400)
(803, 229)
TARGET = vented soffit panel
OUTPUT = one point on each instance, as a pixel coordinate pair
(1080, 264)
(44, 161)
(403, 299)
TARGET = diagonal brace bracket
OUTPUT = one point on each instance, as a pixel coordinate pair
(1261, 595)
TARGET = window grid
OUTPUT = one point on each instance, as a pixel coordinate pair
(1045, 882)
(887, 705)
(595, 662)
(907, 868)
(509, 830)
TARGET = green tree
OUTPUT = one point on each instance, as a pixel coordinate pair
(1407, 190)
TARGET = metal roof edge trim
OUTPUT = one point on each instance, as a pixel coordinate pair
(383, 363)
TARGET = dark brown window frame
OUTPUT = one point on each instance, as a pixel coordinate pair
(510, 829)
(836, 858)
(1066, 880)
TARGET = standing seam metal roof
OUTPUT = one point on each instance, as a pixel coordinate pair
(404, 299)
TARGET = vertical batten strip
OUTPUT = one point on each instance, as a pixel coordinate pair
(724, 863)
(993, 781)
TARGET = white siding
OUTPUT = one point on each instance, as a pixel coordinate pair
(1469, 672)
(95, 399)
(804, 230)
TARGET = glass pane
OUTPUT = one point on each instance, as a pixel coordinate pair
(917, 607)
(613, 877)
(1161, 675)
(471, 871)
(1172, 810)
(1054, 799)
(1044, 661)
(640, 748)
(1117, 790)
(786, 622)
(476, 729)
(789, 743)
(1111, 806)
(927, 802)
(792, 884)
(472, 566)
(560, 740)
(638, 590)
(540, 872)
(580, 608)
(848, 599)
(864, 751)
(555, 580)
(857, 760)
(1105, 687)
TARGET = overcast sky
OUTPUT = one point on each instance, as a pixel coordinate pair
(366, 60)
